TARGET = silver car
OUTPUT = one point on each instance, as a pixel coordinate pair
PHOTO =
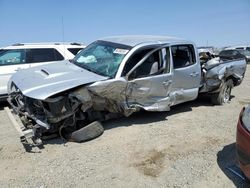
(111, 77)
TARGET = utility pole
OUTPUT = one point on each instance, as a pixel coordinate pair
(62, 30)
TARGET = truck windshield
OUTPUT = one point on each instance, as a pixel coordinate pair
(102, 57)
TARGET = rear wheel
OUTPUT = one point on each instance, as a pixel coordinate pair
(225, 93)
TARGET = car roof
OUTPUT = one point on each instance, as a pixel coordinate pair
(233, 50)
(44, 45)
(133, 40)
(238, 46)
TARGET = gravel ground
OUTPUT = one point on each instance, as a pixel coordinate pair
(190, 146)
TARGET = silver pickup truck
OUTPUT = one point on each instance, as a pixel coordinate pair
(116, 76)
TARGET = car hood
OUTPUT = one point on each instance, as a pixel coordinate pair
(44, 81)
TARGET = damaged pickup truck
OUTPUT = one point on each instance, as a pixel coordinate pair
(112, 77)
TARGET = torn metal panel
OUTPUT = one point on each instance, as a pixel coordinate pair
(150, 93)
(216, 71)
(83, 95)
(113, 89)
(110, 95)
(162, 104)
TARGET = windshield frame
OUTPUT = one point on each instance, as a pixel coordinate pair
(101, 43)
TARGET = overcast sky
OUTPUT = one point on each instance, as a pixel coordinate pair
(211, 22)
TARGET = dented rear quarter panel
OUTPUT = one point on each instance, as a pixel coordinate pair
(215, 74)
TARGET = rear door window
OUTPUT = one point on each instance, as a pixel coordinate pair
(12, 57)
(42, 55)
(183, 56)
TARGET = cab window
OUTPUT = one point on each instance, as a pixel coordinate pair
(183, 56)
(152, 65)
(134, 59)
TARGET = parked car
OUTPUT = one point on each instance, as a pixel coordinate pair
(240, 47)
(243, 141)
(116, 76)
(22, 56)
(235, 54)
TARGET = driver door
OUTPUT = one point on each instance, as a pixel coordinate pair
(150, 82)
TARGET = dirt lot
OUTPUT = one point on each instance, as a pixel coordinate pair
(190, 146)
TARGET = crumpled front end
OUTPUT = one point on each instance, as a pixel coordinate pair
(45, 117)
(71, 110)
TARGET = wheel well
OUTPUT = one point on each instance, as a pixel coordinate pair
(235, 80)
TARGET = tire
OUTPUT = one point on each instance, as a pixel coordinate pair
(89, 132)
(224, 95)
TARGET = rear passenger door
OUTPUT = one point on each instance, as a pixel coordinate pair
(40, 56)
(186, 73)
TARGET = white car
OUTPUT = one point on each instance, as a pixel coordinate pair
(22, 56)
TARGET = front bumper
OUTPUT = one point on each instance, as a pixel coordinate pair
(26, 135)
(243, 146)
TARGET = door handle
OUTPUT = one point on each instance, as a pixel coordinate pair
(194, 74)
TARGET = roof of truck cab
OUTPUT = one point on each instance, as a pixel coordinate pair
(133, 40)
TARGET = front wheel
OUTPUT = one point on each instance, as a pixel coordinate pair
(89, 132)
(225, 93)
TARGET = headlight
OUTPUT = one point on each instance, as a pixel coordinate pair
(246, 118)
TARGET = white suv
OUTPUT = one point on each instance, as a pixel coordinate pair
(22, 56)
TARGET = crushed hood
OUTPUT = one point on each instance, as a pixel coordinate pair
(44, 81)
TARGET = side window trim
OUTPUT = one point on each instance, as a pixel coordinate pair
(58, 56)
(167, 62)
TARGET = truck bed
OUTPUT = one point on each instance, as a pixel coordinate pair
(216, 71)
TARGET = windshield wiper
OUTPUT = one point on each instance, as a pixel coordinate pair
(87, 68)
